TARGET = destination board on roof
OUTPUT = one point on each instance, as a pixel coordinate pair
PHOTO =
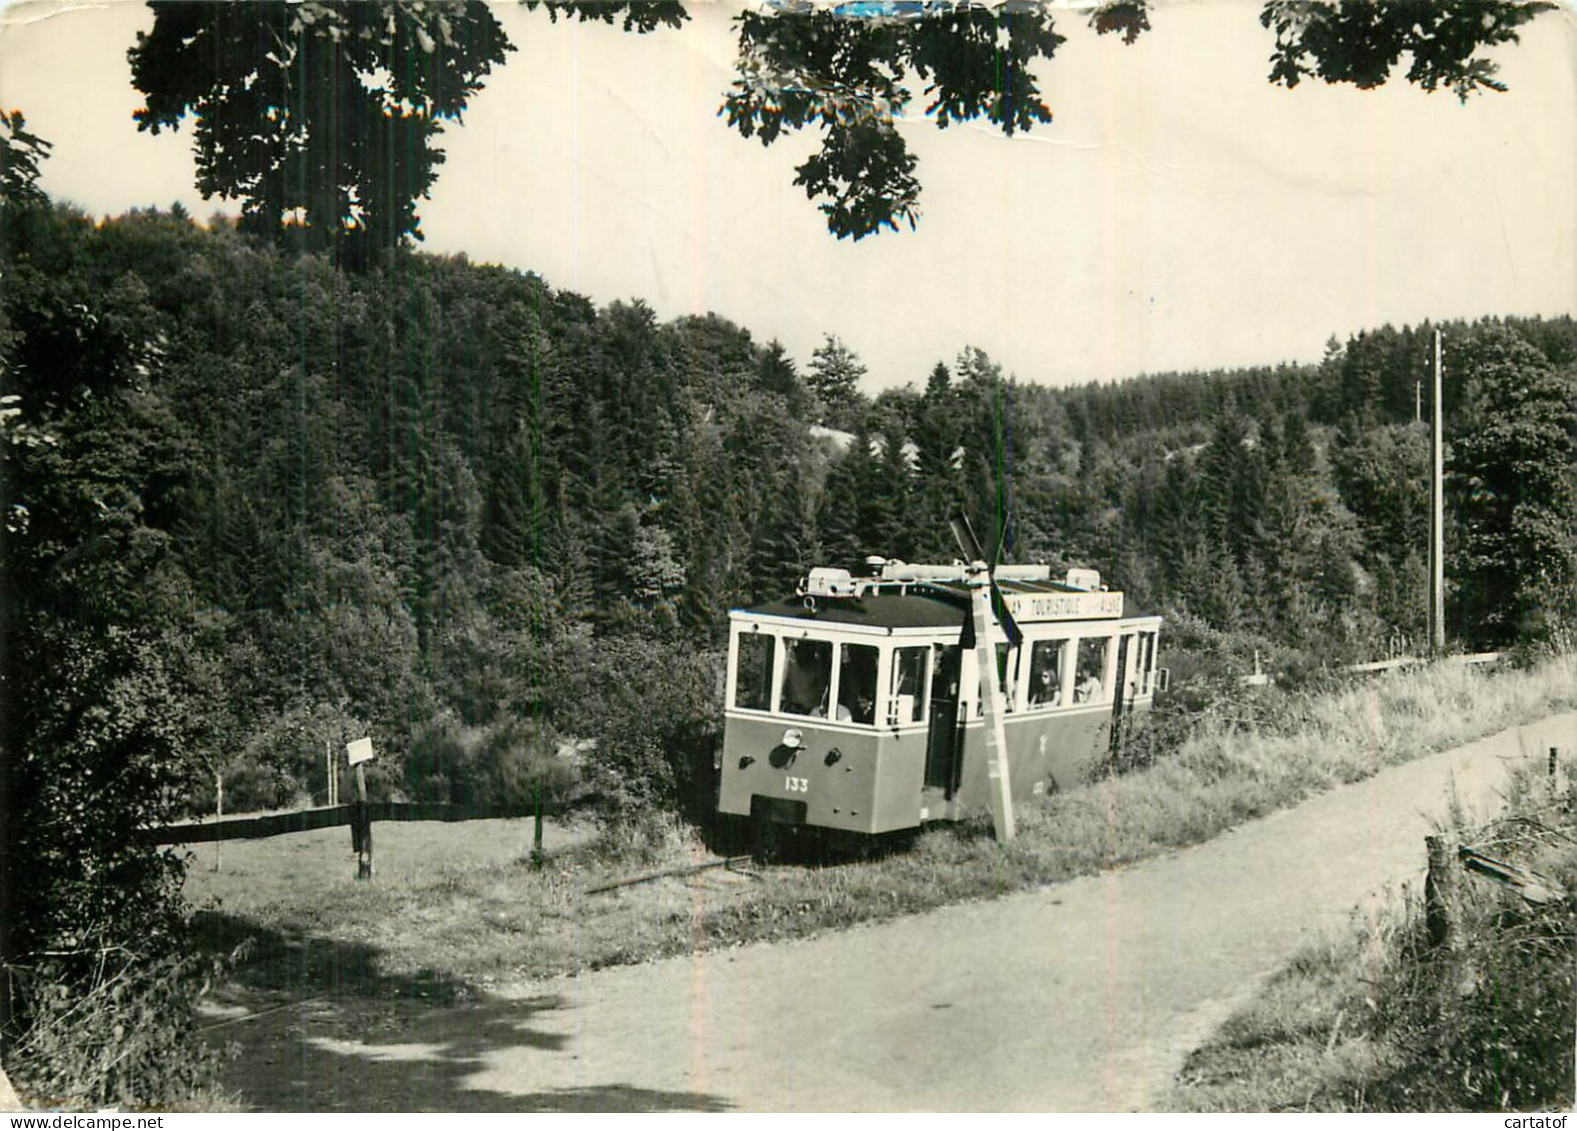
(1029, 607)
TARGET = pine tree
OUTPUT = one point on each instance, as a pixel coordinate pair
(834, 376)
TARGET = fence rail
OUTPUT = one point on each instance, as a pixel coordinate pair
(1418, 661)
(328, 816)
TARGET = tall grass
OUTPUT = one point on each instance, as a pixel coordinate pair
(1228, 770)
(1384, 1019)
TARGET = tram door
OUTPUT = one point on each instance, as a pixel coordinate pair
(1123, 692)
(941, 752)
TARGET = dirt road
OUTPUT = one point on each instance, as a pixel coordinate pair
(1082, 997)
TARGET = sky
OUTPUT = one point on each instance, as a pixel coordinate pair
(1179, 213)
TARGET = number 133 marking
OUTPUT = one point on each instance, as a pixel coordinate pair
(797, 785)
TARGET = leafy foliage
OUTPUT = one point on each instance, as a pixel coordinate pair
(325, 107)
(658, 711)
(1514, 457)
(117, 1029)
(845, 74)
(486, 522)
(20, 155)
(1392, 1020)
(1361, 42)
(100, 682)
(849, 70)
(330, 108)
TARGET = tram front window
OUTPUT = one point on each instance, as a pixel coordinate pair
(807, 676)
(909, 668)
(753, 672)
(857, 684)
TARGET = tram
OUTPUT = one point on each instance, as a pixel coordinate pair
(872, 704)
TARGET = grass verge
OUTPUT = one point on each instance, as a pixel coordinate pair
(1382, 1019)
(470, 909)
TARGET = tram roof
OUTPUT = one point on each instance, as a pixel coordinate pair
(877, 610)
(941, 604)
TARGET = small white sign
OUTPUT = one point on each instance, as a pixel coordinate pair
(359, 751)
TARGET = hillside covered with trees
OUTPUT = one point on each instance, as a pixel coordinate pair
(473, 515)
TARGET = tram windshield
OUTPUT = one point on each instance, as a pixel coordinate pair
(857, 683)
(753, 672)
(909, 671)
(807, 676)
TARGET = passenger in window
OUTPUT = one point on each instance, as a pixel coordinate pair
(863, 710)
(1045, 690)
(1088, 689)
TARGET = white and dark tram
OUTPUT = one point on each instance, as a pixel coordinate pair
(870, 704)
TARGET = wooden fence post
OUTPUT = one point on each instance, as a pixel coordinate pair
(362, 817)
(536, 831)
(1439, 901)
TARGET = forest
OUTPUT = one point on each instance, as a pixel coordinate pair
(480, 519)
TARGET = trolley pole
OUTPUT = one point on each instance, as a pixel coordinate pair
(1437, 512)
(991, 693)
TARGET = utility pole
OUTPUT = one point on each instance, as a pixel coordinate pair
(1437, 514)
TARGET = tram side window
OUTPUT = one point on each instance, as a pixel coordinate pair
(1045, 673)
(807, 676)
(1089, 667)
(909, 668)
(753, 672)
(1007, 674)
(857, 683)
(1007, 670)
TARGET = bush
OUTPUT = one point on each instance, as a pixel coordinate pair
(660, 720)
(110, 1038)
(503, 763)
(282, 765)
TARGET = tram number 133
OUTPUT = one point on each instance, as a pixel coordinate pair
(796, 785)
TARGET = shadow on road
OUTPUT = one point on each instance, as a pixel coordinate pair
(315, 1025)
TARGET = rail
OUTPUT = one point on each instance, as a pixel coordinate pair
(687, 870)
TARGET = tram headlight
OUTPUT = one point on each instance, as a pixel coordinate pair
(833, 756)
(793, 739)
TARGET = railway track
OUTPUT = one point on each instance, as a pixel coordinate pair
(731, 863)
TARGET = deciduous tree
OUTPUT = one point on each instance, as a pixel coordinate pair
(321, 108)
